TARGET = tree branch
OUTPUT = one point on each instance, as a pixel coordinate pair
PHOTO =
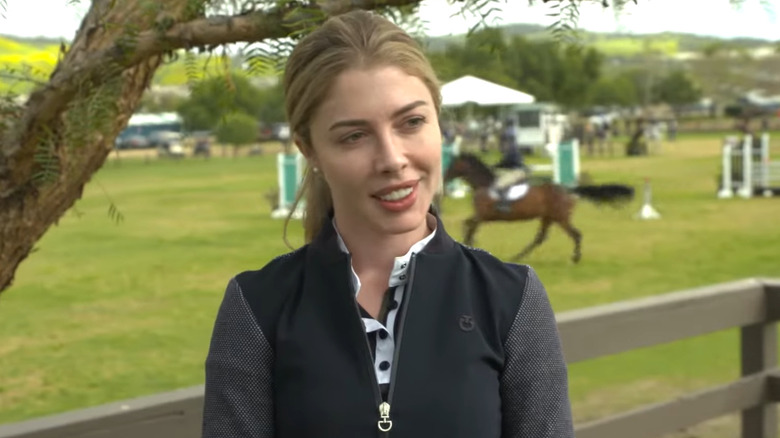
(49, 101)
(20, 78)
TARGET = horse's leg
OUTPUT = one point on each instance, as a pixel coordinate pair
(576, 236)
(538, 239)
(470, 228)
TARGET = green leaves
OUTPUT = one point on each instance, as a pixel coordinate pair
(48, 164)
(114, 214)
(214, 98)
(20, 78)
(92, 111)
(237, 129)
(567, 15)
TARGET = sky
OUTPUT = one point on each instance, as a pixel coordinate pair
(756, 18)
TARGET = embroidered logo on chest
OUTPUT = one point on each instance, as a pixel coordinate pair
(466, 323)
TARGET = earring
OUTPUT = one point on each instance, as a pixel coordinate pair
(315, 170)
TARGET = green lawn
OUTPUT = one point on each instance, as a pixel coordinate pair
(632, 46)
(105, 311)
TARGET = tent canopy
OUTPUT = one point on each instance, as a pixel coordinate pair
(481, 92)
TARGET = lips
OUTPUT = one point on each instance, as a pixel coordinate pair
(396, 187)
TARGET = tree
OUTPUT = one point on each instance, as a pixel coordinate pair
(152, 103)
(617, 90)
(714, 49)
(481, 55)
(60, 135)
(547, 69)
(271, 104)
(236, 129)
(215, 97)
(676, 89)
(552, 71)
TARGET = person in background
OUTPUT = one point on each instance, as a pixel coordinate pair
(512, 165)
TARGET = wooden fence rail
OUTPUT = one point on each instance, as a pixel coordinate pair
(752, 305)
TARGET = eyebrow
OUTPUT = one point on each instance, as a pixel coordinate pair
(362, 122)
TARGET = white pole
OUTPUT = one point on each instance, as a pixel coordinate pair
(300, 164)
(726, 191)
(765, 164)
(576, 152)
(746, 191)
(280, 180)
(282, 209)
(648, 211)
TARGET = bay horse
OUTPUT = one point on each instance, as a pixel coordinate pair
(550, 203)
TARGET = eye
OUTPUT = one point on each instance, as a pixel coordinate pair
(353, 138)
(415, 122)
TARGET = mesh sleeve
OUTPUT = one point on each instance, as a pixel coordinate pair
(534, 382)
(238, 398)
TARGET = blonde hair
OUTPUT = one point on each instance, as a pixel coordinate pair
(357, 39)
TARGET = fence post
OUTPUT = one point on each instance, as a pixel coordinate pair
(765, 164)
(727, 189)
(746, 191)
(759, 353)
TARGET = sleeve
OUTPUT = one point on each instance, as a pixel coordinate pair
(534, 382)
(238, 401)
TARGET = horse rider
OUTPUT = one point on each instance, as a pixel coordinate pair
(513, 164)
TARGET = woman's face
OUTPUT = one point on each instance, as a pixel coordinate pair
(376, 141)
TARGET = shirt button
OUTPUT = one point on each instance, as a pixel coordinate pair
(384, 365)
(402, 277)
(394, 305)
(382, 334)
(403, 266)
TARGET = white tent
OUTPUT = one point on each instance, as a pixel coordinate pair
(481, 92)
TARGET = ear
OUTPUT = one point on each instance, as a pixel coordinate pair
(306, 150)
(301, 145)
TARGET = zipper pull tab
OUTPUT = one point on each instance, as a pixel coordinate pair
(384, 412)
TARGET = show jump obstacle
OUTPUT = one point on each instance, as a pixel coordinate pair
(565, 165)
(289, 168)
(746, 170)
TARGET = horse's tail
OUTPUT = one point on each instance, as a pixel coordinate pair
(613, 194)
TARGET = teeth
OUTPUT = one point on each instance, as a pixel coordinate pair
(397, 195)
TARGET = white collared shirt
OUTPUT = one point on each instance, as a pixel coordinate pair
(385, 346)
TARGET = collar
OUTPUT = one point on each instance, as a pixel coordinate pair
(398, 275)
(325, 245)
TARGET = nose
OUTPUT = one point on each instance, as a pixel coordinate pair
(391, 153)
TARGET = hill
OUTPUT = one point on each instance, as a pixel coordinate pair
(40, 54)
(619, 44)
(35, 58)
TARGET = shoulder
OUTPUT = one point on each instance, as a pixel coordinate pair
(504, 284)
(284, 266)
(512, 275)
(265, 290)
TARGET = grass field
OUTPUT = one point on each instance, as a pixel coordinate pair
(105, 311)
(613, 46)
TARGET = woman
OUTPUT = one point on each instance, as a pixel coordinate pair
(381, 324)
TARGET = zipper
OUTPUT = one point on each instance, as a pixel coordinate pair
(397, 347)
(385, 423)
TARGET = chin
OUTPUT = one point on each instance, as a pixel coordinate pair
(405, 222)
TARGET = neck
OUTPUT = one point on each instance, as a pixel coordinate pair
(374, 251)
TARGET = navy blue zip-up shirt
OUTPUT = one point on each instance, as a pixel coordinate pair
(477, 353)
